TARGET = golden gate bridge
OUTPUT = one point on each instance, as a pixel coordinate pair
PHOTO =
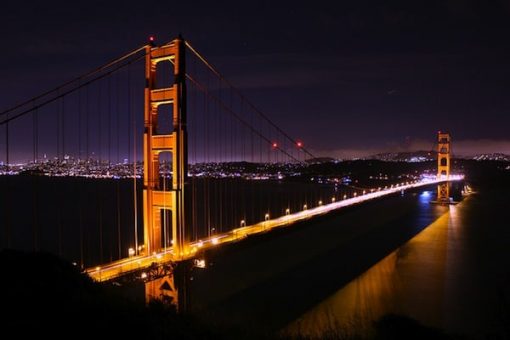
(185, 165)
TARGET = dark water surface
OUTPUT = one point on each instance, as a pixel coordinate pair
(453, 275)
(447, 267)
(92, 221)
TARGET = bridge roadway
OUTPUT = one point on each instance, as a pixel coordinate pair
(135, 263)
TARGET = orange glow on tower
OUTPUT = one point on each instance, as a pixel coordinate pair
(156, 200)
(443, 166)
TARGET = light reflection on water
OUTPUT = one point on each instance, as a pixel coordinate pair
(454, 273)
(412, 281)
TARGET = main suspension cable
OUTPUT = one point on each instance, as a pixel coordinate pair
(74, 80)
(239, 93)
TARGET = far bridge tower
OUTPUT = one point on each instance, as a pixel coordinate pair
(443, 166)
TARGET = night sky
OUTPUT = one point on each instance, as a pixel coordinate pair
(348, 78)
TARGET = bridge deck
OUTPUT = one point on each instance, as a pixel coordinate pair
(134, 263)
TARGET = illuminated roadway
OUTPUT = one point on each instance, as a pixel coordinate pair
(133, 263)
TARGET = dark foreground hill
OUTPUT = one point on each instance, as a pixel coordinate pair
(45, 296)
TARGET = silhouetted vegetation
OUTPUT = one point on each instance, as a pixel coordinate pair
(45, 296)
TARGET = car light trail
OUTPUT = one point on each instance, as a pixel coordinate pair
(139, 262)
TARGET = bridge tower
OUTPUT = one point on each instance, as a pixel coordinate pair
(443, 166)
(157, 201)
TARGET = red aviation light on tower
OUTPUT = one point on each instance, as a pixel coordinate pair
(152, 40)
(299, 144)
(274, 145)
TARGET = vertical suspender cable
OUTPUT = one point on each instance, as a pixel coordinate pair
(109, 122)
(35, 191)
(7, 198)
(117, 123)
(119, 243)
(35, 125)
(220, 157)
(117, 116)
(78, 182)
(99, 199)
(135, 206)
(57, 135)
(252, 159)
(79, 126)
(100, 164)
(82, 264)
(34, 181)
(232, 191)
(194, 133)
(207, 219)
(99, 126)
(109, 145)
(129, 118)
(87, 119)
(87, 155)
(63, 127)
(58, 192)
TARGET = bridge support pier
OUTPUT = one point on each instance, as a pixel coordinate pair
(443, 192)
(163, 289)
(171, 288)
